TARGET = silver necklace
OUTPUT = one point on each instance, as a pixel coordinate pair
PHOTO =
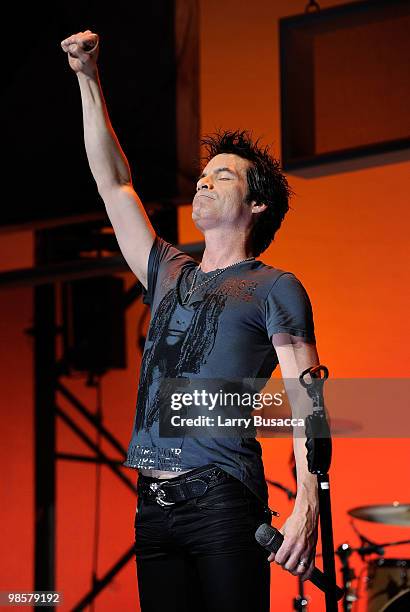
(208, 280)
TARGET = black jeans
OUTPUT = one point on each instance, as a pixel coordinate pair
(201, 555)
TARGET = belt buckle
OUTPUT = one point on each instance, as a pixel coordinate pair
(160, 494)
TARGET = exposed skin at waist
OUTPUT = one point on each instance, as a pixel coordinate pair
(161, 473)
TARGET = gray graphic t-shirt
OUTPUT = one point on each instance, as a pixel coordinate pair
(224, 330)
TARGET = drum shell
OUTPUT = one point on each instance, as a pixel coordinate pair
(386, 578)
(400, 603)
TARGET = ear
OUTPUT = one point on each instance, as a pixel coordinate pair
(257, 208)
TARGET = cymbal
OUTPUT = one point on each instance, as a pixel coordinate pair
(389, 514)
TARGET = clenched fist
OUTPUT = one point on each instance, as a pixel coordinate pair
(82, 49)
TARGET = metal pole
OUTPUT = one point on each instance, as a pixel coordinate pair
(44, 430)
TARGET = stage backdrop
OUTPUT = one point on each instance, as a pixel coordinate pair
(345, 239)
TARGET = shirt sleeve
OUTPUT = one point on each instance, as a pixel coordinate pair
(164, 259)
(288, 309)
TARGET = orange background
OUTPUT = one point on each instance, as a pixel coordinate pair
(345, 239)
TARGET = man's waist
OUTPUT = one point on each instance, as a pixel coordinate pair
(194, 483)
(161, 474)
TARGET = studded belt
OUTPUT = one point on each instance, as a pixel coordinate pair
(182, 488)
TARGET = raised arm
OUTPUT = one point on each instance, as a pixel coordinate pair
(108, 164)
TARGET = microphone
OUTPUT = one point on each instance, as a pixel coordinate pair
(271, 539)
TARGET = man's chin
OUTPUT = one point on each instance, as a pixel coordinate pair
(198, 223)
(202, 223)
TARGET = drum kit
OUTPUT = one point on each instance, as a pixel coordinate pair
(387, 580)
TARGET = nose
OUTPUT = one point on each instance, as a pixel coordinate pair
(204, 183)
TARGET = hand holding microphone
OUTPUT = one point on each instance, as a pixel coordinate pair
(271, 539)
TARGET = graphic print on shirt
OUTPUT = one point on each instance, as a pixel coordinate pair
(172, 359)
(173, 352)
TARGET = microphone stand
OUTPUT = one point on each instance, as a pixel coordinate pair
(319, 454)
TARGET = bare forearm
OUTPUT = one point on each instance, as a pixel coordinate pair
(307, 494)
(306, 482)
(107, 161)
(300, 528)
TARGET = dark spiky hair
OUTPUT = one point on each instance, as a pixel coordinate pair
(266, 183)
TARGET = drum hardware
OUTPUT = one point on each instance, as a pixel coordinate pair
(388, 580)
(344, 552)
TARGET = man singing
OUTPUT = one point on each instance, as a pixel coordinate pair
(200, 499)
